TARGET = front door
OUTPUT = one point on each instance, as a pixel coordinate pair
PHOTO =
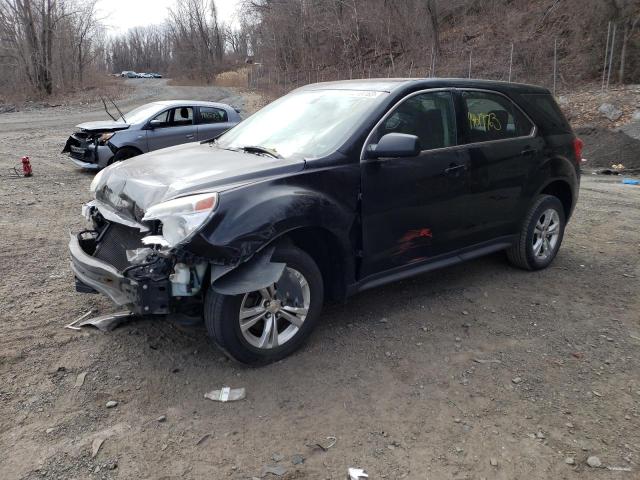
(412, 207)
(173, 127)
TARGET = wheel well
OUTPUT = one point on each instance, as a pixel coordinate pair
(326, 251)
(130, 147)
(562, 191)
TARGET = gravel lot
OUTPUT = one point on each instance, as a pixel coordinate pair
(476, 371)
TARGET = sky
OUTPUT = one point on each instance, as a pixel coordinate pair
(120, 15)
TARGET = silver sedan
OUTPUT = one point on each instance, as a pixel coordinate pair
(150, 127)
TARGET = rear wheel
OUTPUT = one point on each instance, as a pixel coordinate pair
(540, 236)
(267, 325)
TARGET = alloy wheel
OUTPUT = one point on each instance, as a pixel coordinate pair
(546, 234)
(272, 316)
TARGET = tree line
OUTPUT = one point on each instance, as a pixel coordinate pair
(49, 46)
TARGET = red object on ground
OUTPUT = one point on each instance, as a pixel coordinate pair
(27, 171)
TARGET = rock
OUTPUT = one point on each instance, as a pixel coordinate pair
(636, 116)
(569, 425)
(493, 462)
(610, 111)
(111, 404)
(50, 430)
(297, 459)
(95, 446)
(464, 312)
(569, 461)
(112, 465)
(540, 435)
(457, 420)
(517, 380)
(458, 339)
(161, 418)
(277, 457)
(594, 462)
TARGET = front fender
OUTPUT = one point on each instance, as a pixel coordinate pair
(253, 216)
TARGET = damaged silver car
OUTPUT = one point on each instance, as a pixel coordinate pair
(150, 127)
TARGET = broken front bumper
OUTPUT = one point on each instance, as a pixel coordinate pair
(87, 154)
(141, 296)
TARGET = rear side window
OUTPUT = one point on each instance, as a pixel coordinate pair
(493, 117)
(546, 112)
(213, 115)
(429, 116)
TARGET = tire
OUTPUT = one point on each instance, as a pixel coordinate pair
(531, 252)
(222, 313)
(124, 153)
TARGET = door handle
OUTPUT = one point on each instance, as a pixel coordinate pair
(454, 168)
(527, 152)
(190, 136)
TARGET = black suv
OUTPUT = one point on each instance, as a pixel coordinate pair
(330, 190)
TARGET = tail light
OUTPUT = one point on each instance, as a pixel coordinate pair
(577, 148)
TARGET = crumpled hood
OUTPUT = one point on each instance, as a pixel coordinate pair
(103, 126)
(132, 186)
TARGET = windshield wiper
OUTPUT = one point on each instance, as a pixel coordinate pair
(258, 149)
(106, 109)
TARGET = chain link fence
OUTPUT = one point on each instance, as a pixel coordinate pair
(547, 63)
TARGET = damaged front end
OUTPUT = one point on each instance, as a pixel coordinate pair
(127, 262)
(89, 146)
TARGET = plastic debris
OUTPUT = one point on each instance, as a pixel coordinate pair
(324, 445)
(226, 394)
(95, 446)
(630, 181)
(273, 469)
(491, 360)
(203, 439)
(356, 474)
(72, 325)
(80, 379)
(105, 323)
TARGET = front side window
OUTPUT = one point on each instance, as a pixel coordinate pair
(212, 115)
(493, 117)
(429, 116)
(175, 117)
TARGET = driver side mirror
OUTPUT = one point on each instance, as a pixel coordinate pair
(155, 124)
(395, 145)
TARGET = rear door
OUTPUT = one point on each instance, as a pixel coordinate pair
(177, 126)
(211, 122)
(411, 207)
(501, 151)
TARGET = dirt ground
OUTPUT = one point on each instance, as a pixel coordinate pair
(476, 371)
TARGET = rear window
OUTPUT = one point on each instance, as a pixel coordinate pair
(546, 112)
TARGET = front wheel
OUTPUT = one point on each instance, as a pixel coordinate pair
(540, 235)
(267, 325)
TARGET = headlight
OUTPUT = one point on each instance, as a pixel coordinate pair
(96, 181)
(182, 217)
(104, 138)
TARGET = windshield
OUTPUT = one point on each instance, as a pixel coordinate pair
(141, 114)
(307, 123)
